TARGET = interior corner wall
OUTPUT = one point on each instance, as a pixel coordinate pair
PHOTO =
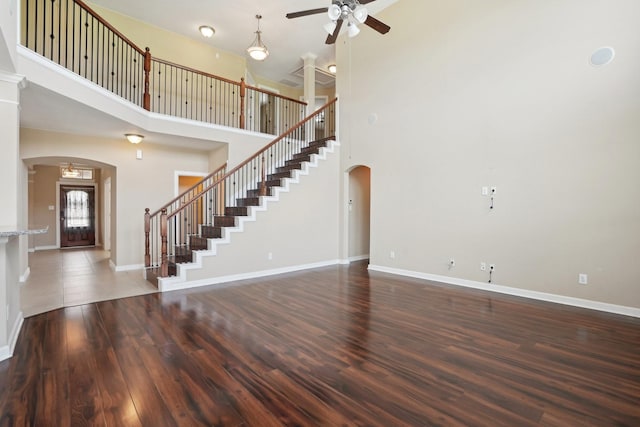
(501, 93)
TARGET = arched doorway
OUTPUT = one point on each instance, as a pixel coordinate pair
(359, 213)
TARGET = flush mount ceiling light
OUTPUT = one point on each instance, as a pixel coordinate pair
(134, 138)
(332, 68)
(207, 31)
(258, 50)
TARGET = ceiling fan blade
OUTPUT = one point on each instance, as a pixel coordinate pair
(307, 12)
(379, 26)
(331, 39)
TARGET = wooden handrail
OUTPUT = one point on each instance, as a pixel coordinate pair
(267, 92)
(193, 70)
(258, 153)
(193, 187)
(109, 26)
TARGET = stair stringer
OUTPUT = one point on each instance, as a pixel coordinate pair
(182, 280)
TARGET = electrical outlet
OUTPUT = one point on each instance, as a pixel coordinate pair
(270, 256)
(483, 266)
(485, 191)
(583, 278)
(392, 255)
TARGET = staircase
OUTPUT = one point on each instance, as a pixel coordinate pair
(197, 220)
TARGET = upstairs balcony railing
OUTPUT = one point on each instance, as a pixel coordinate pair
(71, 34)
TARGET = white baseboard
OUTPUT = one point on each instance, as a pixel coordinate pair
(542, 296)
(7, 350)
(45, 248)
(130, 267)
(167, 284)
(25, 275)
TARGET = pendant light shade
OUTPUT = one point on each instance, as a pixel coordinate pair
(258, 50)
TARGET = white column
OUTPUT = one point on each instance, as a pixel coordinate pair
(310, 81)
(10, 86)
(10, 210)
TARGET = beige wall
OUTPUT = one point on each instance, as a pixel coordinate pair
(176, 48)
(501, 93)
(44, 195)
(139, 184)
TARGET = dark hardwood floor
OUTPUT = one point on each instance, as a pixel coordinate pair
(330, 347)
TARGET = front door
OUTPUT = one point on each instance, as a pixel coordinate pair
(77, 216)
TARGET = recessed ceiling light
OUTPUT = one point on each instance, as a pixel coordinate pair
(207, 31)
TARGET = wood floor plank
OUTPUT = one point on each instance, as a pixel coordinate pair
(332, 346)
(54, 405)
(148, 403)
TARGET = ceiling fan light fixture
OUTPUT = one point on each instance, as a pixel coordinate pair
(361, 14)
(334, 12)
(330, 27)
(258, 50)
(352, 29)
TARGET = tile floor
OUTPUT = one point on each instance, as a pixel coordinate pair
(68, 277)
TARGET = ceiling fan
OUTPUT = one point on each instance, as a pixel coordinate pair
(340, 11)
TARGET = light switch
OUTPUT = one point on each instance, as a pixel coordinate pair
(139, 154)
(52, 208)
(485, 191)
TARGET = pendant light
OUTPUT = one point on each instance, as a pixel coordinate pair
(258, 50)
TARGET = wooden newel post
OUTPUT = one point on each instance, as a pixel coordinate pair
(263, 183)
(243, 93)
(164, 266)
(147, 230)
(147, 70)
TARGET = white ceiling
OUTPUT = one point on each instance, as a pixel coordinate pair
(235, 25)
